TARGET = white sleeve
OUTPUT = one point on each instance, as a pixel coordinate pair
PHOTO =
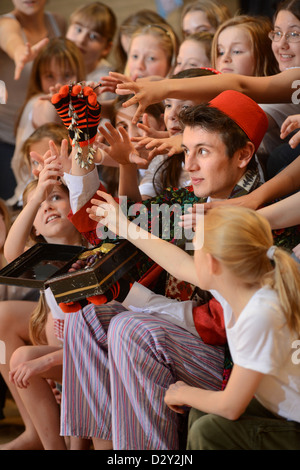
(81, 188)
(142, 300)
(146, 186)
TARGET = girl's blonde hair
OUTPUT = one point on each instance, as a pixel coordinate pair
(51, 130)
(65, 53)
(258, 28)
(7, 217)
(240, 239)
(216, 13)
(167, 37)
(38, 320)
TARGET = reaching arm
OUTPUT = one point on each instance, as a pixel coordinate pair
(284, 213)
(12, 43)
(173, 259)
(17, 238)
(272, 89)
(39, 366)
(229, 403)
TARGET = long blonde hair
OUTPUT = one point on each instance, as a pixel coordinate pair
(240, 239)
(7, 218)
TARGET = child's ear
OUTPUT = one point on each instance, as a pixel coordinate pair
(214, 265)
(246, 154)
(107, 49)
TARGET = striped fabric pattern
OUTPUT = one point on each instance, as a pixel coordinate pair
(147, 354)
(86, 403)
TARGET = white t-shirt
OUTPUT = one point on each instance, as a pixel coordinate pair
(260, 340)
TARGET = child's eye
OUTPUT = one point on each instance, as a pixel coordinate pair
(151, 59)
(78, 29)
(118, 126)
(55, 197)
(219, 53)
(237, 51)
(94, 36)
(202, 151)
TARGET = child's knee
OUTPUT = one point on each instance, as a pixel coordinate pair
(20, 355)
(203, 429)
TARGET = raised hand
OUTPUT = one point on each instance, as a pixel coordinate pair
(27, 53)
(61, 154)
(288, 126)
(120, 147)
(49, 177)
(80, 112)
(169, 145)
(108, 213)
(146, 92)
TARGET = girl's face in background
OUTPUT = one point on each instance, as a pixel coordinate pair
(146, 58)
(54, 74)
(93, 46)
(41, 148)
(191, 55)
(196, 21)
(173, 107)
(29, 7)
(235, 52)
(124, 119)
(286, 53)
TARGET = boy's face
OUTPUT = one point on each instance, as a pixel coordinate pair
(212, 173)
(92, 45)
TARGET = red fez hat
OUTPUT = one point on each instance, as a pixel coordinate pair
(245, 112)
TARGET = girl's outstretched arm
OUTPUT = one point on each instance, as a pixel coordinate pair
(17, 238)
(279, 88)
(229, 403)
(12, 43)
(173, 259)
(284, 213)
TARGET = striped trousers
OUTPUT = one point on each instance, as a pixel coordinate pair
(86, 402)
(147, 354)
(117, 369)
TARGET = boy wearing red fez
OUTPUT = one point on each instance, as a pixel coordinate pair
(159, 339)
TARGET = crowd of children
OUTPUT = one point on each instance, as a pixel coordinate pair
(194, 347)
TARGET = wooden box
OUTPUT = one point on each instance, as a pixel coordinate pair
(47, 265)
